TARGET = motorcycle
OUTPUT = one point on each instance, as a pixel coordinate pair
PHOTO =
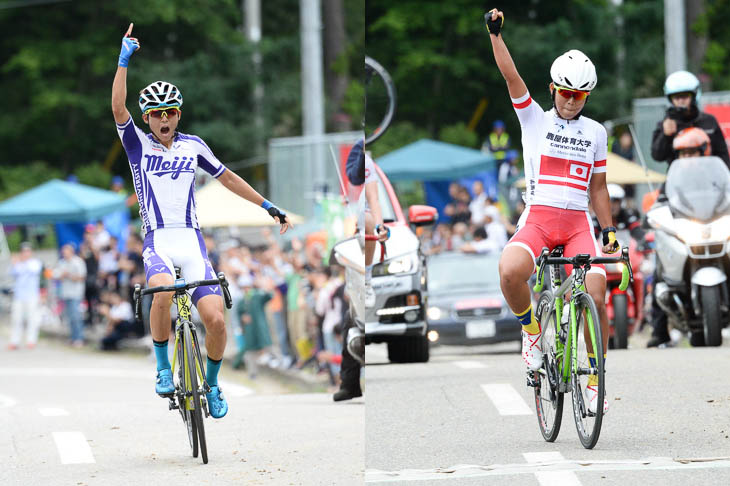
(624, 307)
(692, 229)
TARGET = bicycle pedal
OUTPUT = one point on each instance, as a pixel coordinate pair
(172, 405)
(167, 395)
(532, 379)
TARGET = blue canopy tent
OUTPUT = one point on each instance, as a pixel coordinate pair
(437, 164)
(59, 201)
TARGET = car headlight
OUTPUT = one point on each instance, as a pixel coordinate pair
(435, 313)
(691, 231)
(405, 264)
(720, 228)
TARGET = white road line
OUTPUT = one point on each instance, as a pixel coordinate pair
(52, 412)
(73, 448)
(506, 399)
(7, 402)
(551, 478)
(469, 365)
(462, 471)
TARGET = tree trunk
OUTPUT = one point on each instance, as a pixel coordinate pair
(696, 44)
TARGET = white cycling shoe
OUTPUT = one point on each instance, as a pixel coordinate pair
(591, 396)
(531, 351)
(369, 295)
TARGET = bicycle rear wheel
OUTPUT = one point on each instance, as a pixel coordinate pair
(195, 397)
(548, 400)
(587, 423)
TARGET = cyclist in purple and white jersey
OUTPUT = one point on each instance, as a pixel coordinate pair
(163, 165)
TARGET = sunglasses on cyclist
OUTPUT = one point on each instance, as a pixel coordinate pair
(168, 112)
(576, 94)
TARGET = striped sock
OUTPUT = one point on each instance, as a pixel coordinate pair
(593, 379)
(528, 321)
(161, 354)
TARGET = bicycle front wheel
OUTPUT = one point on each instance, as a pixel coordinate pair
(588, 338)
(548, 399)
(380, 100)
(195, 402)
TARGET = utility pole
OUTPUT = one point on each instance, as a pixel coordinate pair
(675, 45)
(312, 82)
(252, 16)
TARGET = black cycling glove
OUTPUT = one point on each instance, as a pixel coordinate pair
(493, 26)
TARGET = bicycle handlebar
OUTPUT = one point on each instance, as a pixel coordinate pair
(582, 260)
(220, 280)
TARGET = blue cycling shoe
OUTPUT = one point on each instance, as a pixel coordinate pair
(217, 404)
(164, 385)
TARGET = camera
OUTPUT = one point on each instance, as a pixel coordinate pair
(677, 113)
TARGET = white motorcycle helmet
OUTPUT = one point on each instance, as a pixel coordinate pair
(574, 70)
(682, 82)
(159, 94)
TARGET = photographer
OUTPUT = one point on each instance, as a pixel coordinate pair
(684, 92)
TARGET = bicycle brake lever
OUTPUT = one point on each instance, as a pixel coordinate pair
(137, 302)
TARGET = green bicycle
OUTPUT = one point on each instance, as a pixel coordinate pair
(567, 342)
(190, 385)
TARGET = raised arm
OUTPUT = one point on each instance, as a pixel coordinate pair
(119, 88)
(494, 20)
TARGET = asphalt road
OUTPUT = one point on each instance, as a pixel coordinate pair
(81, 418)
(467, 418)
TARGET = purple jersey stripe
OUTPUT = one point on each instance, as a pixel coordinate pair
(153, 202)
(189, 208)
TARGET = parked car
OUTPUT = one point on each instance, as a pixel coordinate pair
(465, 304)
(398, 317)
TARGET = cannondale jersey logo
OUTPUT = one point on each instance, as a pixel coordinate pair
(159, 167)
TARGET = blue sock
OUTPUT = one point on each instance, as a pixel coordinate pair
(161, 355)
(211, 371)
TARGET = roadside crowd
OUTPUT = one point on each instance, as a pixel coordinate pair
(288, 306)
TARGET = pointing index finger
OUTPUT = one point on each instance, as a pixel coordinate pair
(129, 30)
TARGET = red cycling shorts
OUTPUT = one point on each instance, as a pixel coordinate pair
(546, 226)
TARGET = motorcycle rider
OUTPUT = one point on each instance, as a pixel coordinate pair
(690, 142)
(683, 90)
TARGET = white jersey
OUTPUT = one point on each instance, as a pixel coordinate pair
(370, 175)
(560, 155)
(164, 179)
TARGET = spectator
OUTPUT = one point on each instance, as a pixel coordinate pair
(101, 236)
(497, 144)
(71, 272)
(329, 309)
(296, 310)
(26, 272)
(511, 224)
(90, 255)
(496, 231)
(477, 204)
(458, 209)
(624, 146)
(459, 235)
(120, 321)
(252, 316)
(480, 244)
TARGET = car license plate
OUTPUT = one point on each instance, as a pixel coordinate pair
(480, 329)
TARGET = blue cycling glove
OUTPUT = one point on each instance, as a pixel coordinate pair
(273, 211)
(129, 45)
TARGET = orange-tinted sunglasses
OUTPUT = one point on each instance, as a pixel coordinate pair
(576, 94)
(168, 112)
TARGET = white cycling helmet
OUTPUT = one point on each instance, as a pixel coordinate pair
(574, 70)
(159, 94)
(682, 82)
(615, 191)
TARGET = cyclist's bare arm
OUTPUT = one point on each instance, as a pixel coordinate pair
(515, 85)
(600, 201)
(119, 91)
(371, 195)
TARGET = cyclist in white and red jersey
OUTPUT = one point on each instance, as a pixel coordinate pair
(163, 165)
(565, 162)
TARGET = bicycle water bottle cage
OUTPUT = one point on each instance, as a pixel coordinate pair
(179, 283)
